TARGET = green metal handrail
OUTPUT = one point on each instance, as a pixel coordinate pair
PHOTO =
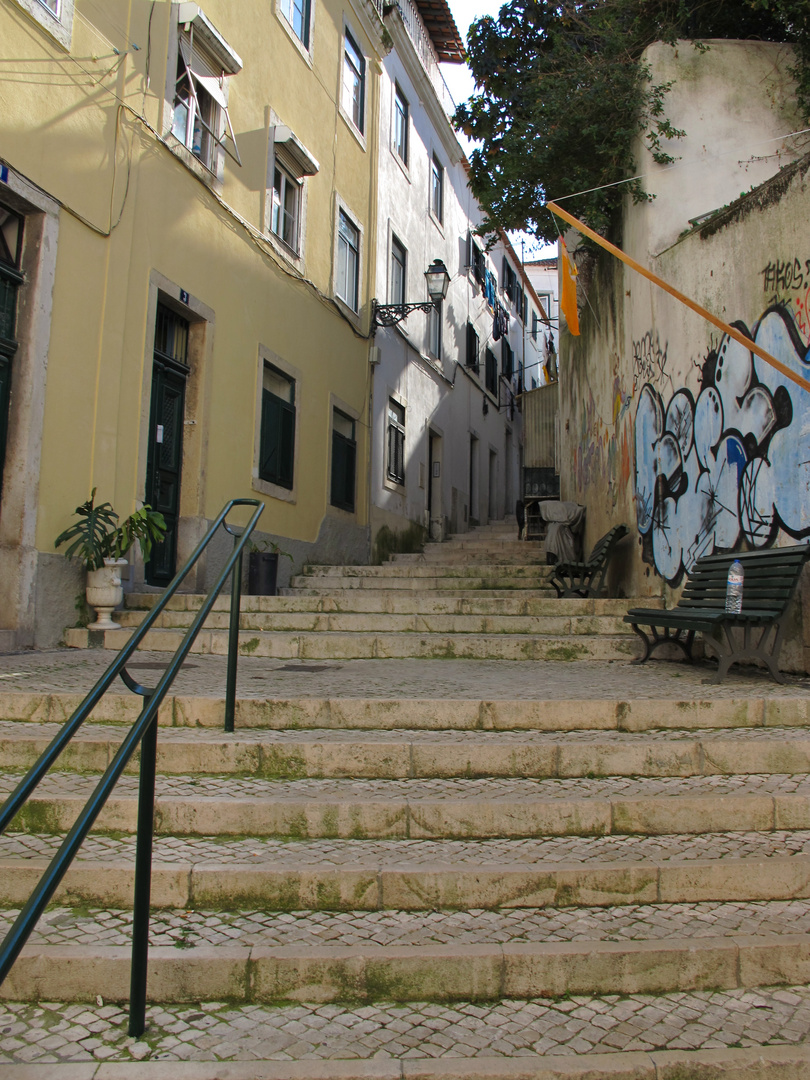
(143, 731)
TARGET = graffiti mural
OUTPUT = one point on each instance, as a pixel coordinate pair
(731, 464)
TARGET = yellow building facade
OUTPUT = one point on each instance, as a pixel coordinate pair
(187, 196)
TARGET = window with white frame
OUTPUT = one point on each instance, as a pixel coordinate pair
(285, 214)
(435, 331)
(297, 14)
(354, 82)
(200, 118)
(395, 466)
(437, 188)
(348, 260)
(55, 16)
(398, 267)
(401, 120)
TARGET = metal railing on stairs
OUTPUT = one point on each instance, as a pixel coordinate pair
(143, 732)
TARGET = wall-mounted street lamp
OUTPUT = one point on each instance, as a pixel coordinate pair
(437, 279)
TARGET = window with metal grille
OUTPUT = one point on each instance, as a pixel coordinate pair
(344, 457)
(396, 442)
(277, 436)
(491, 372)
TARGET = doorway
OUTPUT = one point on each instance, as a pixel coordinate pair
(474, 519)
(434, 491)
(493, 486)
(165, 453)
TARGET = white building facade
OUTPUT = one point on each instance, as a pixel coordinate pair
(446, 423)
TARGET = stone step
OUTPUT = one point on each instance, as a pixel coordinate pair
(366, 646)
(404, 754)
(384, 623)
(353, 587)
(744, 712)
(438, 957)
(260, 873)
(389, 572)
(695, 1035)
(379, 601)
(477, 556)
(426, 809)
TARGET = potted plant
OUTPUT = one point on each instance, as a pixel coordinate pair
(263, 559)
(101, 543)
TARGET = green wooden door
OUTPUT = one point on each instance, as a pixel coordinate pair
(11, 232)
(165, 456)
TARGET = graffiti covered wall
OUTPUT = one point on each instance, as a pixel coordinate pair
(731, 463)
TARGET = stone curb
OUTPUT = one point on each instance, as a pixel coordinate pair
(438, 973)
(295, 756)
(755, 1063)
(401, 816)
(373, 887)
(433, 714)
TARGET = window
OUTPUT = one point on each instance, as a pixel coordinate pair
(11, 234)
(397, 283)
(286, 208)
(296, 12)
(200, 118)
(477, 262)
(437, 189)
(435, 331)
(354, 82)
(509, 281)
(348, 260)
(344, 455)
(401, 115)
(534, 325)
(55, 16)
(472, 347)
(396, 442)
(491, 372)
(507, 359)
(277, 438)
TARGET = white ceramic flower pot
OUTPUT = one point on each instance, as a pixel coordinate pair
(105, 592)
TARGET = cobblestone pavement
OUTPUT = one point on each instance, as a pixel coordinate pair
(548, 851)
(631, 922)
(490, 789)
(77, 670)
(50, 1032)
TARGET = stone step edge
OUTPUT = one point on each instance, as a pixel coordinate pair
(778, 1062)
(403, 816)
(595, 714)
(292, 756)
(429, 886)
(323, 974)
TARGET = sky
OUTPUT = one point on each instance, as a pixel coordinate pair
(461, 86)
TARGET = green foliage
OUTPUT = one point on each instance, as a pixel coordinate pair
(97, 536)
(390, 542)
(562, 92)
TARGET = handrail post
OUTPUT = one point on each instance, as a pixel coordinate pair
(143, 882)
(233, 644)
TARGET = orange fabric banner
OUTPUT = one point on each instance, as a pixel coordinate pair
(568, 301)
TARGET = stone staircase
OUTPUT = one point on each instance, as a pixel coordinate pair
(566, 872)
(483, 595)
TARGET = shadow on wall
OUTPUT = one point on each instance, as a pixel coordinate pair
(732, 465)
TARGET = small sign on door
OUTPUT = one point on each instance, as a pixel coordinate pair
(159, 435)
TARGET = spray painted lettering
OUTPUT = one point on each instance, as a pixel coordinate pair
(790, 275)
(733, 464)
(649, 360)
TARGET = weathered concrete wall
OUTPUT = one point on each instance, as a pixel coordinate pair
(670, 425)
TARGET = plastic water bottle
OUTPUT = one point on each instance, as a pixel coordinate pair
(734, 587)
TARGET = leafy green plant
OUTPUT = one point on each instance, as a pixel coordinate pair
(97, 536)
(562, 92)
(254, 546)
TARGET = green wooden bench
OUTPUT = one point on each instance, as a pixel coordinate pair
(588, 578)
(756, 633)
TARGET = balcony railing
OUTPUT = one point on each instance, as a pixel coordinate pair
(425, 51)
